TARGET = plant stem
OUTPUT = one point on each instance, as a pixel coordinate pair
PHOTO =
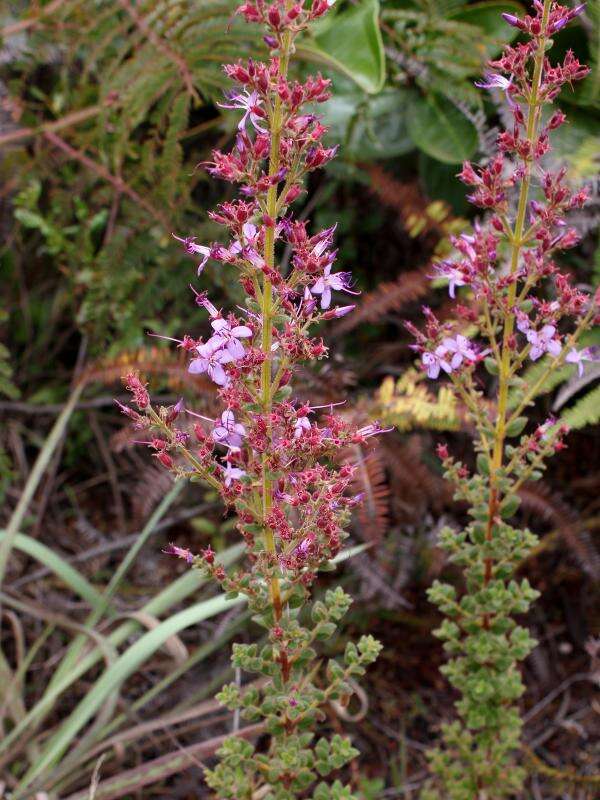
(267, 314)
(517, 244)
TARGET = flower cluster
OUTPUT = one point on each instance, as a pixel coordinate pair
(522, 309)
(274, 459)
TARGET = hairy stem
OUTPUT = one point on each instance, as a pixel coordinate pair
(267, 315)
(517, 245)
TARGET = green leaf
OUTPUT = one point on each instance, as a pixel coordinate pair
(440, 129)
(369, 127)
(50, 444)
(116, 674)
(351, 44)
(61, 568)
(509, 506)
(487, 17)
(516, 426)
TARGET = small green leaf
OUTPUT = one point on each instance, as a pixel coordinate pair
(509, 506)
(491, 366)
(483, 464)
(516, 426)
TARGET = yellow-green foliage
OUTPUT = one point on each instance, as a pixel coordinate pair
(408, 404)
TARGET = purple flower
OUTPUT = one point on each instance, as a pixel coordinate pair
(339, 281)
(231, 473)
(228, 431)
(211, 360)
(460, 349)
(449, 355)
(302, 424)
(436, 360)
(511, 19)
(193, 248)
(373, 429)
(575, 356)
(447, 269)
(523, 321)
(250, 103)
(180, 552)
(543, 341)
(229, 336)
(341, 311)
(494, 81)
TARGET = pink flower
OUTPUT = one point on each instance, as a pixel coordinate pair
(575, 356)
(211, 359)
(435, 361)
(250, 103)
(231, 473)
(180, 552)
(228, 431)
(301, 425)
(460, 349)
(543, 341)
(193, 248)
(228, 336)
(339, 281)
(447, 269)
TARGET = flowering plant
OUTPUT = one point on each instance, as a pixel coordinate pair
(525, 309)
(267, 454)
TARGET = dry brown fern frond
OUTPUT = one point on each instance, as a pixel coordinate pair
(415, 487)
(408, 200)
(158, 362)
(420, 217)
(545, 503)
(152, 485)
(325, 385)
(372, 482)
(389, 296)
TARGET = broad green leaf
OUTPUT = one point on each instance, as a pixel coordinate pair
(440, 129)
(578, 143)
(351, 44)
(487, 17)
(439, 180)
(369, 127)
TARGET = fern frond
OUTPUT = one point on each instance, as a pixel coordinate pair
(408, 404)
(158, 362)
(371, 481)
(387, 297)
(546, 504)
(586, 411)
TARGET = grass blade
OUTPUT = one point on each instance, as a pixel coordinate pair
(42, 461)
(113, 677)
(61, 568)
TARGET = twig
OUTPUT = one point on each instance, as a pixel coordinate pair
(119, 544)
(30, 22)
(164, 48)
(23, 407)
(110, 468)
(103, 173)
(57, 125)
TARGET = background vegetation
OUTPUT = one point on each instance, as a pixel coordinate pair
(109, 655)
